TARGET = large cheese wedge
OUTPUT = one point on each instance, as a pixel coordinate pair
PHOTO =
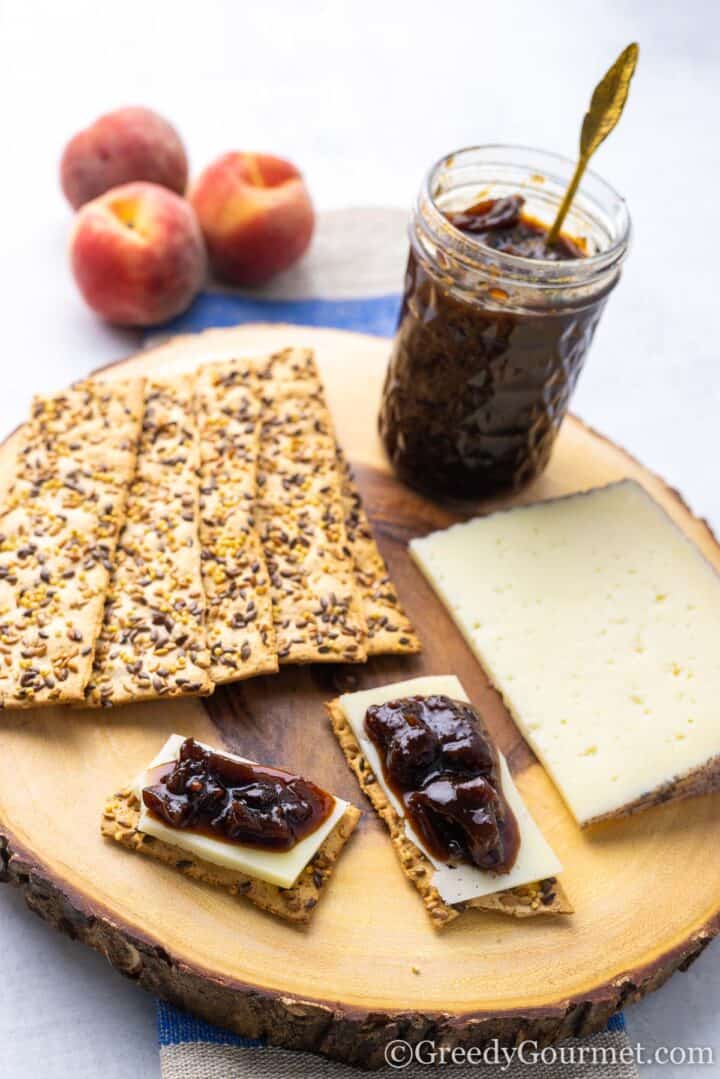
(460, 885)
(281, 868)
(599, 622)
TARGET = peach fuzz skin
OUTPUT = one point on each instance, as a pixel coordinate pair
(137, 254)
(256, 216)
(129, 144)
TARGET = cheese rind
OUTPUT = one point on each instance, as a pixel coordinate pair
(281, 868)
(535, 860)
(598, 621)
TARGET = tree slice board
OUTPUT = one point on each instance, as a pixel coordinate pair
(370, 967)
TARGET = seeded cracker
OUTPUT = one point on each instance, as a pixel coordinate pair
(152, 641)
(317, 608)
(296, 904)
(239, 619)
(289, 365)
(388, 627)
(58, 532)
(544, 897)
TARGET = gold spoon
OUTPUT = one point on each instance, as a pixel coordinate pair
(606, 106)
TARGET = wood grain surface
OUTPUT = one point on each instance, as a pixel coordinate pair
(646, 891)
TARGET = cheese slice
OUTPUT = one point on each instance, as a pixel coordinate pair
(275, 867)
(599, 622)
(535, 860)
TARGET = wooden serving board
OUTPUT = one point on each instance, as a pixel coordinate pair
(370, 967)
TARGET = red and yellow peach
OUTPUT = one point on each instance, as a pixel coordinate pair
(137, 254)
(129, 144)
(256, 215)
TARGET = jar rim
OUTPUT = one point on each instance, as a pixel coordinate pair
(514, 265)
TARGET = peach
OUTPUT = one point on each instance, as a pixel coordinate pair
(138, 255)
(129, 144)
(256, 216)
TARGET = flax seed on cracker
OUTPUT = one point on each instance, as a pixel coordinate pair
(288, 378)
(58, 532)
(239, 620)
(153, 641)
(317, 609)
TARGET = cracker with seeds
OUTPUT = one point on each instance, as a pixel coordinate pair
(92, 425)
(239, 618)
(389, 630)
(153, 642)
(317, 607)
(288, 365)
(544, 897)
(296, 904)
(58, 533)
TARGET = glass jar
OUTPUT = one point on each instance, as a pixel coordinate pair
(489, 344)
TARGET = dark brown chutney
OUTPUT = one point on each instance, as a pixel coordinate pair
(236, 801)
(476, 389)
(502, 225)
(439, 762)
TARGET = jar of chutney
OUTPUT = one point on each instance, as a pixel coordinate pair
(495, 324)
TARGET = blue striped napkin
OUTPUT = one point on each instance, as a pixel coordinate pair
(349, 281)
(192, 1049)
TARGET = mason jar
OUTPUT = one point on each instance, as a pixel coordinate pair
(489, 344)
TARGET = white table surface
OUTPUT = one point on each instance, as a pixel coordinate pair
(364, 96)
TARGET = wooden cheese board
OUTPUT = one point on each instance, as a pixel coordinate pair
(370, 967)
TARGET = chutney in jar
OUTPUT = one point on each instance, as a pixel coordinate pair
(492, 335)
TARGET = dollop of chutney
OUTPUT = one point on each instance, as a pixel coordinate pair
(439, 762)
(237, 801)
(502, 225)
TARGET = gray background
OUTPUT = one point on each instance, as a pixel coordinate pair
(364, 96)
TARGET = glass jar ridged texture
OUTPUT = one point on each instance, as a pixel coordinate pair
(490, 345)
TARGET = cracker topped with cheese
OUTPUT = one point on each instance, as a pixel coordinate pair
(598, 621)
(463, 834)
(252, 830)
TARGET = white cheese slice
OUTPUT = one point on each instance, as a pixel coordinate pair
(275, 867)
(535, 860)
(599, 622)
